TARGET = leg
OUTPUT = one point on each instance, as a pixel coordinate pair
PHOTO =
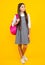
(20, 49)
(24, 48)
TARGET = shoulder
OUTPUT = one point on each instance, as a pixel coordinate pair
(16, 15)
(28, 15)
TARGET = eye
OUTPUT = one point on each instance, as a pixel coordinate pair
(22, 6)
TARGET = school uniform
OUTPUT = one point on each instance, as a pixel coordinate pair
(22, 35)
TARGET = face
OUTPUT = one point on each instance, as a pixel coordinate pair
(22, 8)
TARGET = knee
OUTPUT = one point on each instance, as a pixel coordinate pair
(19, 45)
(25, 46)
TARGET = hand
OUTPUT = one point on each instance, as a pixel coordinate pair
(18, 20)
(28, 35)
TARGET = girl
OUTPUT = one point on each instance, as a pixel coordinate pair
(23, 26)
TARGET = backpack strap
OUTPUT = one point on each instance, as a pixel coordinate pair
(17, 16)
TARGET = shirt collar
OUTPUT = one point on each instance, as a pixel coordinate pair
(21, 14)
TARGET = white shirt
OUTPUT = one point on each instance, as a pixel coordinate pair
(22, 14)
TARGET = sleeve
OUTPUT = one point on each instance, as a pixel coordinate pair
(14, 20)
(29, 21)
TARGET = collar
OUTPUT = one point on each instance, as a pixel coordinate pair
(22, 14)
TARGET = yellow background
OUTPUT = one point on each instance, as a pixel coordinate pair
(9, 54)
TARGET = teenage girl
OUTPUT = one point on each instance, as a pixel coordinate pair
(23, 26)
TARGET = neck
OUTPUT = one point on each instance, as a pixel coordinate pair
(22, 12)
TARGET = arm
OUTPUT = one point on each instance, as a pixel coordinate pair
(15, 21)
(29, 23)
